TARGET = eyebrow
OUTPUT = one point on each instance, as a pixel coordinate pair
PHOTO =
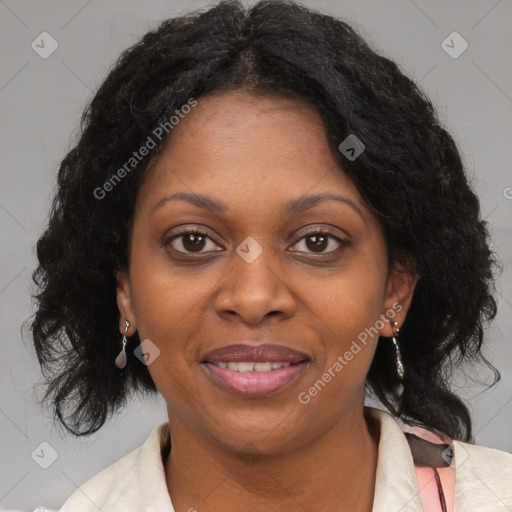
(293, 206)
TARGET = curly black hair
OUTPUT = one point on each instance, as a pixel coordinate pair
(410, 173)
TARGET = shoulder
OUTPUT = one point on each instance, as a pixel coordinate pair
(129, 483)
(486, 457)
(483, 477)
(99, 490)
(96, 492)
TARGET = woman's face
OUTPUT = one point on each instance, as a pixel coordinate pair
(260, 274)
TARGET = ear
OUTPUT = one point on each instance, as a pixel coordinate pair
(124, 302)
(400, 288)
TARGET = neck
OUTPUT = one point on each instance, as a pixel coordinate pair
(335, 471)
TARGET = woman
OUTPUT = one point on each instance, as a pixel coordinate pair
(262, 219)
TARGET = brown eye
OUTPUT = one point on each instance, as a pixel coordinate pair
(191, 241)
(319, 241)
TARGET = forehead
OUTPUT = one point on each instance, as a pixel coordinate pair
(248, 150)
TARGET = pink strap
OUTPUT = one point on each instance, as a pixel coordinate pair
(429, 493)
(426, 476)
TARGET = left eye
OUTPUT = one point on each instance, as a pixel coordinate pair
(319, 241)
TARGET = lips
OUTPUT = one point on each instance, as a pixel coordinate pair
(264, 353)
(255, 371)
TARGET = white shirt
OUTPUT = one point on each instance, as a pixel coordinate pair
(136, 482)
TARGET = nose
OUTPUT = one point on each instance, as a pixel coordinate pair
(252, 291)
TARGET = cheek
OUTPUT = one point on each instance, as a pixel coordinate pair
(351, 299)
(348, 308)
(167, 311)
(170, 305)
(164, 298)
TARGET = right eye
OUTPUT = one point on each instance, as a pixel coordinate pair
(189, 241)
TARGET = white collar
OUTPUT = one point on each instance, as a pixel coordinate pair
(396, 486)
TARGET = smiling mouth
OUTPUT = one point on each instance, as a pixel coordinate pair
(249, 379)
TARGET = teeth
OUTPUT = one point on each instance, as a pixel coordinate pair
(244, 367)
(262, 367)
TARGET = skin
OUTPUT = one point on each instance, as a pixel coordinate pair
(254, 153)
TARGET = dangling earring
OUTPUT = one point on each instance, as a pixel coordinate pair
(121, 358)
(399, 365)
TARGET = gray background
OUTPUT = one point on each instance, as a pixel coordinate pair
(40, 104)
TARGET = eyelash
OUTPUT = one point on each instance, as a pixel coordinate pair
(195, 231)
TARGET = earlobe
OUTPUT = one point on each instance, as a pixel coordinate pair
(124, 302)
(399, 293)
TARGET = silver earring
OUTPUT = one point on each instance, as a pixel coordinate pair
(399, 365)
(121, 358)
